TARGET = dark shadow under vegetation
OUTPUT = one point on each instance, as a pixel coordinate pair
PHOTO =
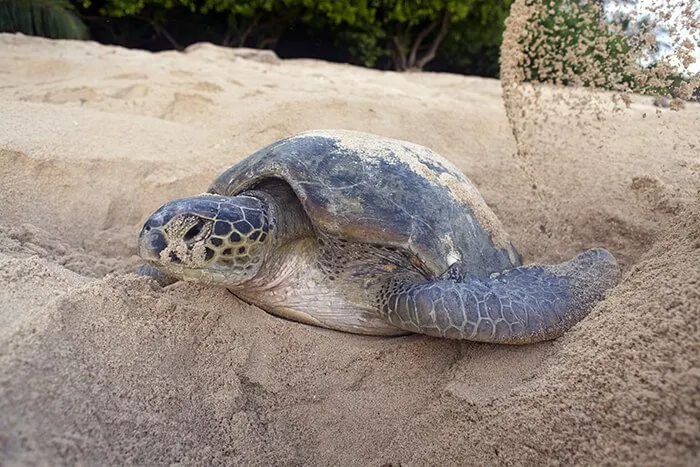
(569, 42)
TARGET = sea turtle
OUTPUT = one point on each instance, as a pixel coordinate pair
(369, 235)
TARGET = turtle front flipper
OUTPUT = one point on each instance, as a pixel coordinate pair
(155, 274)
(519, 306)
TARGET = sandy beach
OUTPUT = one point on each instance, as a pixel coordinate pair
(101, 367)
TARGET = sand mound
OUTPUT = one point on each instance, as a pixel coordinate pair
(101, 367)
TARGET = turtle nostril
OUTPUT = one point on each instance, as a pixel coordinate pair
(173, 257)
(157, 241)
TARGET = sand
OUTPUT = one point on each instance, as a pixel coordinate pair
(98, 366)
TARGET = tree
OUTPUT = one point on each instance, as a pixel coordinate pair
(402, 34)
(49, 18)
(570, 42)
(579, 43)
(266, 20)
(155, 13)
(410, 31)
(259, 23)
(473, 43)
(415, 29)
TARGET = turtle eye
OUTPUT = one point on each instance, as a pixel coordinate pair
(194, 231)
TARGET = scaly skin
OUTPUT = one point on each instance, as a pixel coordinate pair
(364, 288)
(369, 235)
(334, 283)
(519, 306)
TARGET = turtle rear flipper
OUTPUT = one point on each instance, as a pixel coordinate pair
(519, 306)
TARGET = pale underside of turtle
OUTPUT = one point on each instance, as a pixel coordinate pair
(369, 235)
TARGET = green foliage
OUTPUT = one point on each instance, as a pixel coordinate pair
(364, 45)
(569, 42)
(415, 29)
(574, 42)
(405, 33)
(49, 18)
(122, 8)
(414, 12)
(474, 42)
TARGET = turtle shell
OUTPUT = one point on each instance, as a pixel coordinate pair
(371, 189)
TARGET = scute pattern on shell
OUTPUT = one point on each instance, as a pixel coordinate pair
(370, 189)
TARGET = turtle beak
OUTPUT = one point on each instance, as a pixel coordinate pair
(151, 243)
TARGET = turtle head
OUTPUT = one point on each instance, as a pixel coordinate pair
(211, 238)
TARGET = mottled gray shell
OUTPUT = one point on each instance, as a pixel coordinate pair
(371, 189)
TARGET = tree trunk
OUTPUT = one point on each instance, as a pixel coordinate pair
(272, 30)
(234, 37)
(432, 50)
(268, 42)
(398, 54)
(227, 41)
(248, 30)
(419, 40)
(415, 60)
(161, 31)
(171, 39)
